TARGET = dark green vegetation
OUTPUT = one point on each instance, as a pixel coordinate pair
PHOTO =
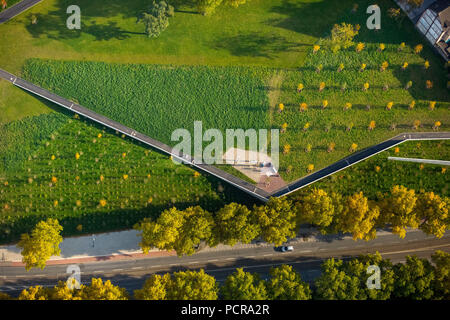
(96, 183)
(157, 100)
(416, 279)
(378, 174)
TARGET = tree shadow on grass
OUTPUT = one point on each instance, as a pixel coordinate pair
(53, 23)
(313, 19)
(256, 45)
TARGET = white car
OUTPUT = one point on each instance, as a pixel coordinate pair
(287, 248)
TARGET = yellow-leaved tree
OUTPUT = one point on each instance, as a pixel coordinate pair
(316, 208)
(99, 290)
(359, 217)
(154, 288)
(432, 211)
(398, 210)
(43, 243)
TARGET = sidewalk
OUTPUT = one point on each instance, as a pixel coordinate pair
(125, 245)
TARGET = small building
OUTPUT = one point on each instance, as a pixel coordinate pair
(434, 23)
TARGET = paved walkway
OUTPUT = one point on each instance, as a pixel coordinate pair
(17, 9)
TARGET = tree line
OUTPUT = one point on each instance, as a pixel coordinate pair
(416, 279)
(275, 222)
(280, 219)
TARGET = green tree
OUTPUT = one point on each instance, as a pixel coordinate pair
(398, 210)
(276, 220)
(432, 211)
(99, 290)
(441, 260)
(358, 217)
(192, 285)
(286, 284)
(156, 20)
(42, 244)
(163, 233)
(177, 230)
(233, 224)
(155, 288)
(358, 268)
(316, 208)
(242, 285)
(197, 227)
(335, 284)
(414, 279)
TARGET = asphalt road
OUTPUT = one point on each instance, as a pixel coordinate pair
(306, 259)
(17, 9)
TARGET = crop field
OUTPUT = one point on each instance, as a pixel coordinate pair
(93, 180)
(311, 132)
(378, 174)
(157, 100)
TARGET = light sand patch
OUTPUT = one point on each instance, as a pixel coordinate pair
(251, 163)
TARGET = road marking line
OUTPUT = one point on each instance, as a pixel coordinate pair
(99, 271)
(20, 276)
(137, 268)
(415, 250)
(213, 260)
(117, 270)
(229, 259)
(268, 255)
(156, 266)
(251, 257)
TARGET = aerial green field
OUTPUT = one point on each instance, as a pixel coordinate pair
(259, 33)
(378, 174)
(92, 179)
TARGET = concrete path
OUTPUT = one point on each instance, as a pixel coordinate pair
(17, 9)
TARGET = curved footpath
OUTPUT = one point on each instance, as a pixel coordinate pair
(187, 159)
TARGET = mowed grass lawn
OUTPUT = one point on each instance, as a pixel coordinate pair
(272, 33)
(92, 180)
